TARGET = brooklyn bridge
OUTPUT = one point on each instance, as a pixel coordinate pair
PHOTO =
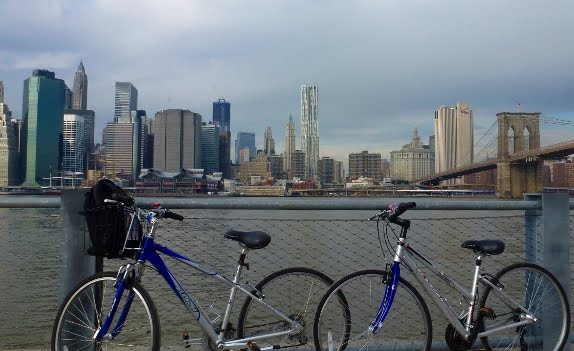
(519, 156)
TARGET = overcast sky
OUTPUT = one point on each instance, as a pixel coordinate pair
(382, 67)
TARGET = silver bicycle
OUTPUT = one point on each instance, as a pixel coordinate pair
(523, 307)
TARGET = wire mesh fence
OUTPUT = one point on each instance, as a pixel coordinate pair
(334, 244)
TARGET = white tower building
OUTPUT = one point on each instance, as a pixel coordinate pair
(454, 137)
(310, 127)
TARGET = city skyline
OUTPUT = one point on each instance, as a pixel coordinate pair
(379, 77)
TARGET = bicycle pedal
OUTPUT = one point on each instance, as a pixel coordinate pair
(253, 346)
(487, 312)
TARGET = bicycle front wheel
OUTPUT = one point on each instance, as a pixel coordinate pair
(85, 309)
(406, 327)
(295, 292)
(539, 292)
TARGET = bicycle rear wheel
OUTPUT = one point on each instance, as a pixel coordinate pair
(406, 327)
(539, 292)
(85, 309)
(296, 292)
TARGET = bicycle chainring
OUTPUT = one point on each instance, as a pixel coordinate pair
(455, 341)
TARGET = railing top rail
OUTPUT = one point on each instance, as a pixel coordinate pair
(286, 203)
(29, 201)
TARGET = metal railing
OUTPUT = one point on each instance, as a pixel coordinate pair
(327, 234)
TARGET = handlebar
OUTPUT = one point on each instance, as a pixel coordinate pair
(401, 208)
(172, 215)
(393, 212)
(126, 200)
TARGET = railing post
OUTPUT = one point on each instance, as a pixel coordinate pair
(556, 247)
(533, 222)
(547, 243)
(74, 264)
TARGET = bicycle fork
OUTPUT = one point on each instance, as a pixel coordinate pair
(122, 283)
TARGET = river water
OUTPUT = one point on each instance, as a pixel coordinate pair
(335, 242)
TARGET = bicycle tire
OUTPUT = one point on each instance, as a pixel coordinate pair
(86, 307)
(556, 315)
(293, 291)
(407, 326)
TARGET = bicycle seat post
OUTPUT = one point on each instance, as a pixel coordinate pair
(473, 292)
(240, 264)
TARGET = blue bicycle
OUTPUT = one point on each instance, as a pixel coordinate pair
(114, 311)
(522, 307)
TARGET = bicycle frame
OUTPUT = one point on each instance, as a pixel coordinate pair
(149, 253)
(407, 255)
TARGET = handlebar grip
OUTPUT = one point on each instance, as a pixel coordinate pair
(126, 200)
(401, 208)
(173, 215)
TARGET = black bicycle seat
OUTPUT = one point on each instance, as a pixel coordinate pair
(252, 240)
(485, 247)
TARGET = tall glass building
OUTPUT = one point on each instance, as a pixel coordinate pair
(222, 115)
(73, 150)
(210, 148)
(222, 118)
(43, 115)
(245, 140)
(126, 100)
(310, 127)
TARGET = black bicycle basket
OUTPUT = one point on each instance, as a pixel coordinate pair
(114, 229)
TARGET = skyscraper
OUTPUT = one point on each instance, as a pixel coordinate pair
(139, 140)
(289, 145)
(126, 100)
(222, 115)
(222, 118)
(269, 142)
(80, 94)
(454, 137)
(310, 127)
(73, 149)
(9, 164)
(1, 92)
(43, 115)
(210, 147)
(89, 117)
(245, 140)
(225, 153)
(117, 139)
(177, 140)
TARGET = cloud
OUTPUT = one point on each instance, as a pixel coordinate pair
(13, 60)
(382, 68)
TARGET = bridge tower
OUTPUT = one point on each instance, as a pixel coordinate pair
(518, 132)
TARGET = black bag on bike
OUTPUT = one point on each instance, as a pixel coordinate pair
(114, 229)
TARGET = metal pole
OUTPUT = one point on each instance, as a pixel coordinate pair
(74, 264)
(547, 243)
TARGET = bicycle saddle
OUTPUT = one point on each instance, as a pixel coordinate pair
(252, 240)
(485, 247)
